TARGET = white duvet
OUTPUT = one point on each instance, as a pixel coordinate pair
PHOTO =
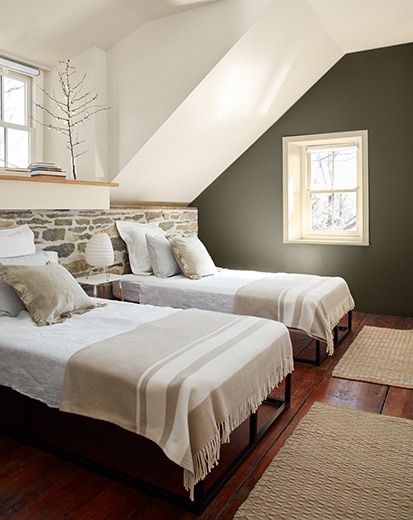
(33, 359)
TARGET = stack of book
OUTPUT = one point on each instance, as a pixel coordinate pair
(45, 169)
(15, 172)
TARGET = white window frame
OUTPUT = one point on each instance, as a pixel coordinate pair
(296, 207)
(28, 126)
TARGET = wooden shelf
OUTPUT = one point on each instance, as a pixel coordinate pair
(56, 180)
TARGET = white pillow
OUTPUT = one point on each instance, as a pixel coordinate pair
(162, 258)
(192, 257)
(10, 303)
(16, 241)
(37, 258)
(134, 235)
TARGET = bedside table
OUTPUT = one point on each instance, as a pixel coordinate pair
(102, 283)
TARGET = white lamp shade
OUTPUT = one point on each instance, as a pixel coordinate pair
(99, 251)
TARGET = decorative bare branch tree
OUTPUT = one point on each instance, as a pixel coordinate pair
(72, 110)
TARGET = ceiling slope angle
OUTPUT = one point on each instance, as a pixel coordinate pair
(76, 26)
(357, 26)
(272, 65)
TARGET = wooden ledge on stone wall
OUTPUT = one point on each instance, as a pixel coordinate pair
(155, 206)
(56, 180)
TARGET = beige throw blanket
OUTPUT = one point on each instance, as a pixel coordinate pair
(184, 381)
(314, 304)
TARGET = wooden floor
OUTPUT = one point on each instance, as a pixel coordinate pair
(36, 485)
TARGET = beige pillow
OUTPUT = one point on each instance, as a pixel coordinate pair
(192, 257)
(10, 303)
(49, 292)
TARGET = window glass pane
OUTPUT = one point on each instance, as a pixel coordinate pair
(345, 169)
(17, 148)
(321, 211)
(14, 101)
(321, 164)
(345, 214)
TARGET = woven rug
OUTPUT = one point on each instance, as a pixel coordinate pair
(339, 464)
(379, 355)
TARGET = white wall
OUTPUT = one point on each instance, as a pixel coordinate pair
(16, 194)
(151, 72)
(276, 60)
(93, 164)
(191, 92)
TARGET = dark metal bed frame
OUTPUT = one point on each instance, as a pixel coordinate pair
(202, 497)
(339, 333)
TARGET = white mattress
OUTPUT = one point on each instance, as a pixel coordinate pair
(214, 293)
(33, 358)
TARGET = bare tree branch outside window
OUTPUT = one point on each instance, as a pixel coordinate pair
(72, 109)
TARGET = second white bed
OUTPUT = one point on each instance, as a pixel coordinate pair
(310, 303)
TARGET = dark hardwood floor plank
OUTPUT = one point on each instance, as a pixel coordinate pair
(26, 474)
(399, 403)
(64, 497)
(116, 501)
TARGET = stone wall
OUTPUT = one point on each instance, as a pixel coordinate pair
(67, 231)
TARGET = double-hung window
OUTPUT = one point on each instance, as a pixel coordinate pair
(16, 129)
(326, 188)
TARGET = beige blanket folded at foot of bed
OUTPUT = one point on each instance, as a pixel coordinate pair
(184, 381)
(314, 304)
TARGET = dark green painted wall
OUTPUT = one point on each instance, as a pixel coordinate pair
(240, 214)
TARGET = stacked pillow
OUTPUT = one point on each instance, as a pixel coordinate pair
(162, 259)
(49, 292)
(34, 280)
(10, 303)
(150, 251)
(192, 257)
(16, 241)
(134, 235)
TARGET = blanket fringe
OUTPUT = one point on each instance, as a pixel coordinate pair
(207, 458)
(336, 314)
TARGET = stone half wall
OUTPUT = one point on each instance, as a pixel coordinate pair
(67, 231)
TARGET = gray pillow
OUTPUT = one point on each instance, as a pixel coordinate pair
(162, 259)
(10, 303)
(49, 292)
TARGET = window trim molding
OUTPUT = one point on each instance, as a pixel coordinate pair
(294, 192)
(28, 126)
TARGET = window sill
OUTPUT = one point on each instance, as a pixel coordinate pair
(331, 242)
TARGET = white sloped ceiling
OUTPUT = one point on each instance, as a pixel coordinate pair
(279, 57)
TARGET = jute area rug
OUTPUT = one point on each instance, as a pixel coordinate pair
(379, 355)
(338, 464)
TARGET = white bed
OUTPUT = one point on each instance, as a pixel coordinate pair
(178, 271)
(35, 361)
(310, 303)
(185, 379)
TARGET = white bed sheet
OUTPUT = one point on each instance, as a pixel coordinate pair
(310, 310)
(33, 359)
(214, 293)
